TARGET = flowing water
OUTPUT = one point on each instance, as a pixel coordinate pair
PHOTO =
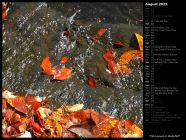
(33, 30)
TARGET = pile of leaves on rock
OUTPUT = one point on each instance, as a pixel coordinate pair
(30, 116)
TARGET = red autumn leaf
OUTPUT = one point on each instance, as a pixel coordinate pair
(46, 66)
(113, 68)
(4, 14)
(109, 56)
(91, 82)
(100, 32)
(118, 44)
(18, 103)
(64, 60)
(61, 74)
(35, 127)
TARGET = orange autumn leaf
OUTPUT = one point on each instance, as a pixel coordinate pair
(61, 74)
(128, 124)
(64, 60)
(119, 130)
(46, 66)
(125, 69)
(91, 82)
(109, 56)
(113, 68)
(100, 32)
(127, 56)
(18, 103)
(140, 41)
(136, 130)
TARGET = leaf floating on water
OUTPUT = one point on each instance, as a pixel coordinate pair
(109, 56)
(118, 44)
(46, 66)
(140, 41)
(64, 60)
(61, 74)
(100, 32)
(91, 82)
(113, 67)
(125, 69)
(127, 56)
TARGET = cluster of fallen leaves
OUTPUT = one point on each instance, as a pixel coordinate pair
(58, 74)
(122, 66)
(31, 117)
(113, 67)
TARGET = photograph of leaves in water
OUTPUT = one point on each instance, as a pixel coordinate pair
(72, 69)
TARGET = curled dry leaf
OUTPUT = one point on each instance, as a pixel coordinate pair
(91, 82)
(73, 108)
(61, 74)
(100, 32)
(63, 60)
(46, 66)
(140, 41)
